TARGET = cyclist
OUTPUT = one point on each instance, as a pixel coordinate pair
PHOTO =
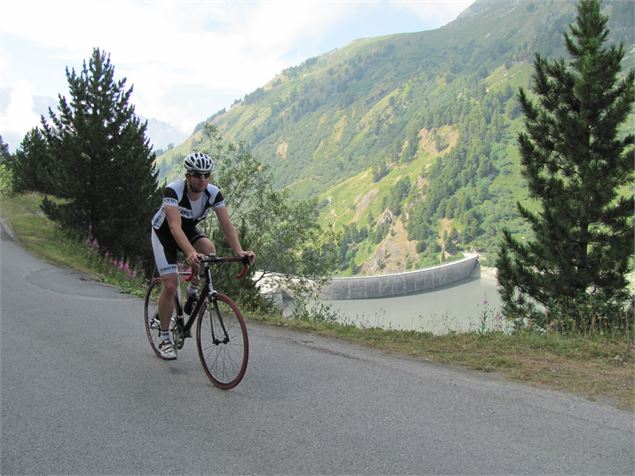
(185, 203)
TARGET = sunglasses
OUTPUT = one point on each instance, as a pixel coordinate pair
(199, 175)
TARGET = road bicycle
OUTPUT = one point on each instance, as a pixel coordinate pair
(221, 333)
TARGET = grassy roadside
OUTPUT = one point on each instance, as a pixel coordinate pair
(600, 368)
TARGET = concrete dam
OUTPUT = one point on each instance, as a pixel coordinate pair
(401, 284)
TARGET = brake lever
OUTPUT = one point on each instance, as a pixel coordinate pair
(246, 266)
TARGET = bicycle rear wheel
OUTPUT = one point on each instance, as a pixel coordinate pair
(151, 314)
(221, 338)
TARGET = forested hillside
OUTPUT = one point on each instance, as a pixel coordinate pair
(409, 141)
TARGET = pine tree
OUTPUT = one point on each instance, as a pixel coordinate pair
(31, 167)
(104, 166)
(577, 163)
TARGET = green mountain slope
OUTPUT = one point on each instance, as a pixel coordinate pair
(409, 140)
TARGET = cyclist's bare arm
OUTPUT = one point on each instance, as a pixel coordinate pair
(230, 233)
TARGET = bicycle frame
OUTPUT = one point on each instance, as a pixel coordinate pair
(208, 292)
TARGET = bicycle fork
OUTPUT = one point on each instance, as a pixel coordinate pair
(222, 324)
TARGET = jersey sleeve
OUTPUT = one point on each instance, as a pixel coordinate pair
(218, 200)
(170, 197)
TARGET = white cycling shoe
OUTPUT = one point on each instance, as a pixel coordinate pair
(166, 349)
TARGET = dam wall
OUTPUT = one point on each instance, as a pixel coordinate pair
(400, 284)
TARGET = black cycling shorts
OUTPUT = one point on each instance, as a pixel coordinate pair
(165, 248)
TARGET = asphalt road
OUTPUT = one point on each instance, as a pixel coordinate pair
(82, 393)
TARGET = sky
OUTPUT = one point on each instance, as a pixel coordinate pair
(185, 59)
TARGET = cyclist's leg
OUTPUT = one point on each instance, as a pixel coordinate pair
(164, 249)
(201, 242)
(203, 245)
(170, 284)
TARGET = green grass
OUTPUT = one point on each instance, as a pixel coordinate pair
(600, 368)
(43, 238)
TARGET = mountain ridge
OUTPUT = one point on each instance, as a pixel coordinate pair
(379, 108)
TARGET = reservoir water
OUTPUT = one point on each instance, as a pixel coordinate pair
(469, 305)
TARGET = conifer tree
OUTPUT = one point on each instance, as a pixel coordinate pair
(31, 165)
(578, 163)
(103, 164)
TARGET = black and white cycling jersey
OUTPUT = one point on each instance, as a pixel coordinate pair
(191, 213)
(164, 245)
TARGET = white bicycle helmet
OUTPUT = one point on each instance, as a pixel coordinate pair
(198, 162)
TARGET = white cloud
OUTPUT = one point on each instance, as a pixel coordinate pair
(220, 49)
(157, 45)
(19, 117)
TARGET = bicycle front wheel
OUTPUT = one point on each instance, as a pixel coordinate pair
(221, 338)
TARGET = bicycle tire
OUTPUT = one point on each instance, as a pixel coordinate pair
(224, 363)
(151, 315)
